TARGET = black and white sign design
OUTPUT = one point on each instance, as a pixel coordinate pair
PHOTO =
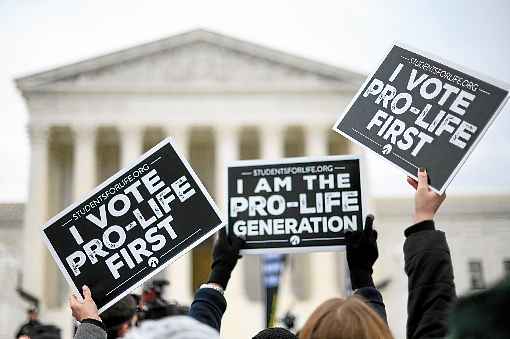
(132, 226)
(417, 111)
(295, 204)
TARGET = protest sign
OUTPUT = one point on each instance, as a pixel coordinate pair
(132, 225)
(294, 204)
(419, 111)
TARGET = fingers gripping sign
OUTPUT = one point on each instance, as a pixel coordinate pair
(86, 309)
(225, 257)
(426, 201)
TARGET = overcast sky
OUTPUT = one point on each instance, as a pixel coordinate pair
(38, 34)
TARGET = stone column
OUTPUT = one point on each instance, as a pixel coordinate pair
(227, 149)
(272, 142)
(131, 143)
(181, 136)
(36, 212)
(329, 266)
(316, 140)
(84, 166)
(180, 273)
(272, 147)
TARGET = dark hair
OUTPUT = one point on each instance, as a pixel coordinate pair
(275, 333)
(120, 313)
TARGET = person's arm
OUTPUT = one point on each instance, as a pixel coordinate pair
(362, 253)
(428, 266)
(209, 304)
(86, 313)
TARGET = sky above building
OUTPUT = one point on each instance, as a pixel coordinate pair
(39, 34)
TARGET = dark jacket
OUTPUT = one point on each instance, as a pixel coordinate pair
(208, 307)
(374, 299)
(431, 288)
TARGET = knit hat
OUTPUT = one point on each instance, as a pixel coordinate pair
(482, 315)
(176, 327)
(120, 312)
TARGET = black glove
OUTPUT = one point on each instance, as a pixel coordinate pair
(362, 253)
(225, 256)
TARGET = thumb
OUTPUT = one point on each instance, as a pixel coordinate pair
(87, 294)
(422, 180)
(73, 300)
(222, 235)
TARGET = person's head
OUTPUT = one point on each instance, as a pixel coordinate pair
(482, 315)
(345, 318)
(176, 327)
(119, 318)
(32, 314)
(275, 333)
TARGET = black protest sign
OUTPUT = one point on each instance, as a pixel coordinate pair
(294, 204)
(417, 111)
(132, 226)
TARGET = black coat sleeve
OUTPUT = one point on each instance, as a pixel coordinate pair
(431, 288)
(374, 299)
(208, 307)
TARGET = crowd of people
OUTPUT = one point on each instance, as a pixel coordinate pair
(433, 309)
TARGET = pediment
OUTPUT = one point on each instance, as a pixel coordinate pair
(198, 59)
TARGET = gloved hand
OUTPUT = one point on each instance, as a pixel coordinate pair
(225, 256)
(362, 253)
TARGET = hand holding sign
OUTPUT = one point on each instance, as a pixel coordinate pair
(362, 253)
(225, 257)
(86, 309)
(426, 201)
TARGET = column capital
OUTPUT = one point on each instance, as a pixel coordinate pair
(129, 129)
(84, 131)
(227, 128)
(172, 128)
(274, 128)
(38, 134)
(316, 128)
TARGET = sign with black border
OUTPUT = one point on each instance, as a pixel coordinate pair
(417, 110)
(295, 204)
(132, 226)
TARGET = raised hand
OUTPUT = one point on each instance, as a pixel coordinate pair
(362, 253)
(225, 257)
(426, 201)
(86, 309)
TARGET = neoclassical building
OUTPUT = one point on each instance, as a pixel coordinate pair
(221, 99)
